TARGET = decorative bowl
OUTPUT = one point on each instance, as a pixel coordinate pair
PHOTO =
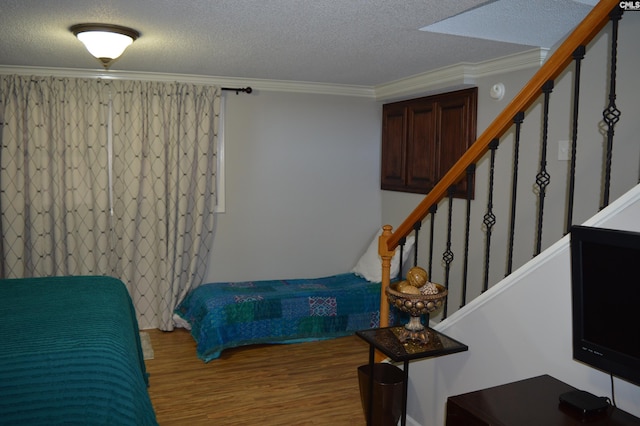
(415, 305)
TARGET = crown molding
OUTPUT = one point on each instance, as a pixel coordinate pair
(256, 84)
(463, 74)
(460, 75)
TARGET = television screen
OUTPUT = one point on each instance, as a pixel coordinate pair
(605, 271)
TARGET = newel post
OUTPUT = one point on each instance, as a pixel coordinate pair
(386, 256)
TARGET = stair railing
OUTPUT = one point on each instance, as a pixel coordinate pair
(540, 84)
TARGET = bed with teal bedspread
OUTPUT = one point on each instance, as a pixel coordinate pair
(232, 314)
(70, 353)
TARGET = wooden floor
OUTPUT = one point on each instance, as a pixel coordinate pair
(313, 383)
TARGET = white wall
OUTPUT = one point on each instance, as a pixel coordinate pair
(302, 185)
(520, 328)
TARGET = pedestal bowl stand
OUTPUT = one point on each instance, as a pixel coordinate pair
(415, 305)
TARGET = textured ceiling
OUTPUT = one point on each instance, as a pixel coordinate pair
(351, 42)
(536, 23)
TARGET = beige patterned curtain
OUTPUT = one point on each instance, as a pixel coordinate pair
(164, 168)
(109, 178)
(53, 177)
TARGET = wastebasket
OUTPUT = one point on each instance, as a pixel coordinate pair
(388, 384)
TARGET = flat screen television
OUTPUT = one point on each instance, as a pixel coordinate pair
(605, 280)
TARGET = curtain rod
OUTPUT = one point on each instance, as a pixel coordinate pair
(246, 90)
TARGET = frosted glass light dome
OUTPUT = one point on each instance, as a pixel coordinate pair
(105, 42)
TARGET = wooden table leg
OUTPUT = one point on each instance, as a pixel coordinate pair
(404, 393)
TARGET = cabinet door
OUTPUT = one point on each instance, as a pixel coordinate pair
(458, 416)
(456, 132)
(393, 147)
(422, 147)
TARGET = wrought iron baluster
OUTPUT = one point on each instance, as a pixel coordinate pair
(432, 213)
(447, 256)
(401, 245)
(611, 114)
(416, 229)
(578, 56)
(543, 178)
(470, 171)
(518, 119)
(489, 218)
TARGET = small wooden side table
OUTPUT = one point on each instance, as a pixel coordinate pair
(386, 341)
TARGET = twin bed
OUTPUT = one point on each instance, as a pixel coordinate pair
(70, 353)
(230, 314)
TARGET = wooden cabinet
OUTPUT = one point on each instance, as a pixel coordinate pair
(529, 402)
(422, 138)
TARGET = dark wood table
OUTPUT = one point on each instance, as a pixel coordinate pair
(386, 341)
(530, 402)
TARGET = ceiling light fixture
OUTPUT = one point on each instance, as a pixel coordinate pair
(105, 41)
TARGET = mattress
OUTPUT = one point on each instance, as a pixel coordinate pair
(71, 354)
(230, 314)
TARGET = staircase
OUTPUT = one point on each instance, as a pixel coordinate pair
(504, 255)
(525, 199)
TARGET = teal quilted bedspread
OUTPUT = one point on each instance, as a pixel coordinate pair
(231, 314)
(70, 354)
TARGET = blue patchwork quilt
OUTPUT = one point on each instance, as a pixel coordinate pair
(231, 314)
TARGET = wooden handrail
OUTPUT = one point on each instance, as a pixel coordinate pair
(561, 58)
